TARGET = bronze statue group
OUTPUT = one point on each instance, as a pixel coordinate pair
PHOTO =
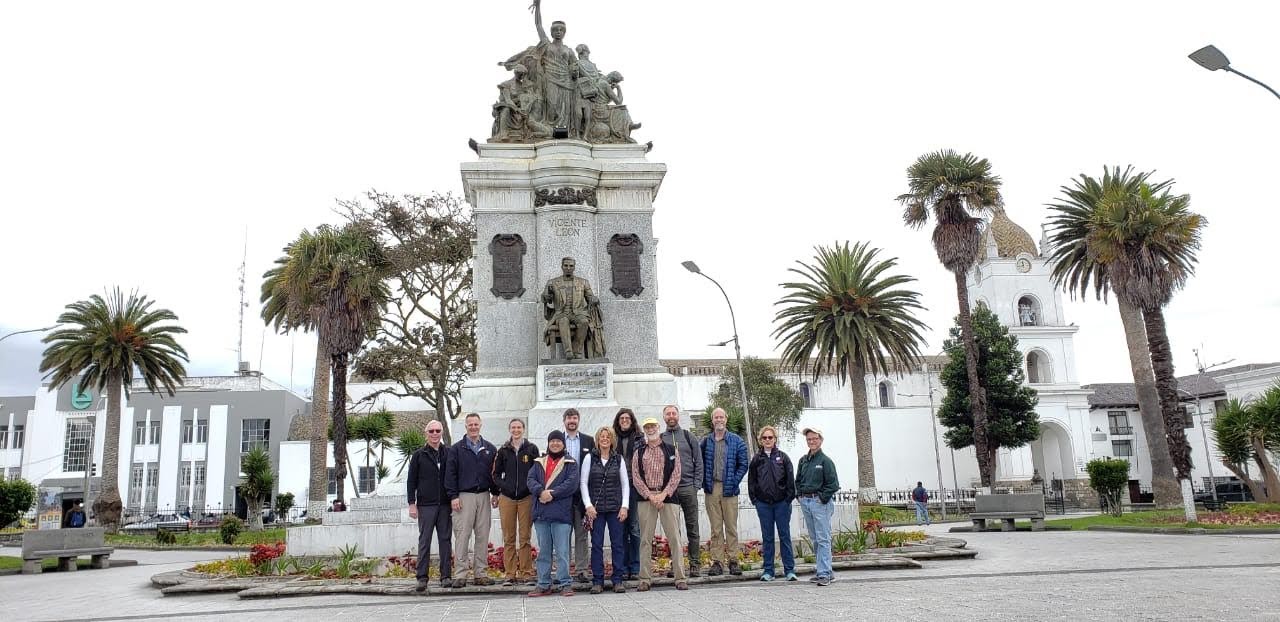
(622, 481)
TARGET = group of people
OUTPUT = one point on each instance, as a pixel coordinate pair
(622, 481)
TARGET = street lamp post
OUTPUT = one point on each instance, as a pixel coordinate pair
(1208, 458)
(737, 352)
(937, 457)
(29, 330)
(1213, 59)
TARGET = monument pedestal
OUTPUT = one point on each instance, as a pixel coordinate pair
(536, 204)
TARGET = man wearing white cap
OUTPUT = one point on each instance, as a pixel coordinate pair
(816, 484)
(655, 471)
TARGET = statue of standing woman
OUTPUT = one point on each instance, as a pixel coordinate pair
(558, 68)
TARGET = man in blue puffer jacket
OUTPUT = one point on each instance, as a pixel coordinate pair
(725, 456)
(552, 482)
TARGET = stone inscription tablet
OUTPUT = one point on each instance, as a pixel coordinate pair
(508, 265)
(575, 382)
(624, 252)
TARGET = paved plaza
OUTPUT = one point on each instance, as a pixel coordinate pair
(1027, 576)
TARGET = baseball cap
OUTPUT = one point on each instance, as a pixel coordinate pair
(649, 420)
(806, 431)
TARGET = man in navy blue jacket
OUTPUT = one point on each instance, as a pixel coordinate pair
(469, 483)
(724, 456)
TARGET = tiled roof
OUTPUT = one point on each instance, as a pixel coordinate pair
(1122, 394)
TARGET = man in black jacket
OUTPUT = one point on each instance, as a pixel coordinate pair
(427, 498)
(469, 483)
(515, 505)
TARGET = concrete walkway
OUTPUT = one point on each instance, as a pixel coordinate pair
(1018, 575)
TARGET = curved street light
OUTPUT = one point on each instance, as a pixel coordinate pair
(29, 330)
(737, 352)
(1213, 59)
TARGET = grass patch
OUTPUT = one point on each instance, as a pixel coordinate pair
(1158, 518)
(8, 562)
(196, 539)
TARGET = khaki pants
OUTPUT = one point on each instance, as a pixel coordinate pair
(473, 519)
(516, 516)
(722, 513)
(670, 518)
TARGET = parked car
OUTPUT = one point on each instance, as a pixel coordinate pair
(160, 521)
(1232, 492)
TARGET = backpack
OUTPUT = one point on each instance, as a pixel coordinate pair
(77, 519)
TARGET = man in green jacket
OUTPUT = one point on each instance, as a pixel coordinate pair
(816, 485)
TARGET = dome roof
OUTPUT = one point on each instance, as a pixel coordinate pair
(1011, 240)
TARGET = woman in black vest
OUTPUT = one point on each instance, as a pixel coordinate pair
(607, 498)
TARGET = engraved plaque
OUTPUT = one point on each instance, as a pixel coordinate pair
(575, 382)
(508, 265)
(624, 252)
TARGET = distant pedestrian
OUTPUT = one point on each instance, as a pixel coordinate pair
(816, 486)
(771, 486)
(515, 504)
(427, 503)
(607, 497)
(552, 482)
(724, 455)
(920, 498)
(75, 518)
(655, 470)
(469, 484)
(689, 452)
(579, 446)
(627, 429)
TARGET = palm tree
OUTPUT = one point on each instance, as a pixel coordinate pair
(332, 281)
(850, 318)
(1244, 434)
(292, 301)
(257, 484)
(374, 429)
(1133, 236)
(956, 189)
(104, 343)
(406, 443)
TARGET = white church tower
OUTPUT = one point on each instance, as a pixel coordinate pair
(1012, 278)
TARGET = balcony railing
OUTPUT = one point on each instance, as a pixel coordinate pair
(1121, 430)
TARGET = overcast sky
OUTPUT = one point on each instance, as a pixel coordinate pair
(139, 140)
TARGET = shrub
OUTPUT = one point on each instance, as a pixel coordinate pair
(230, 529)
(284, 503)
(16, 497)
(1109, 477)
(260, 554)
(164, 536)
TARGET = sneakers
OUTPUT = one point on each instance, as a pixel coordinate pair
(542, 591)
(791, 576)
(681, 585)
(644, 587)
(482, 581)
(457, 583)
(695, 570)
(582, 578)
(619, 588)
(597, 588)
(813, 579)
(567, 591)
(766, 577)
(824, 581)
(715, 570)
(734, 568)
(508, 582)
(422, 586)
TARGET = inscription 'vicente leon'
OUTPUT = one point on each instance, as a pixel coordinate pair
(575, 382)
(624, 252)
(508, 265)
(568, 227)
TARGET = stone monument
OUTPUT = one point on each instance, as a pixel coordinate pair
(564, 259)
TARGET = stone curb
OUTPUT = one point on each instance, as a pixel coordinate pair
(162, 547)
(115, 563)
(1186, 531)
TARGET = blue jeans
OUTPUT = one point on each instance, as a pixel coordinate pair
(922, 512)
(609, 520)
(553, 539)
(631, 541)
(776, 515)
(817, 519)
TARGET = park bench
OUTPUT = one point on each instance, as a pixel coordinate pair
(66, 545)
(1008, 508)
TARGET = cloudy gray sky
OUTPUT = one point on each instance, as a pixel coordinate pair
(139, 140)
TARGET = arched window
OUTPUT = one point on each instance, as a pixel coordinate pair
(1039, 370)
(1028, 311)
(885, 389)
(806, 394)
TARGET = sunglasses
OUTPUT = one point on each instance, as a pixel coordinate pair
(435, 431)
(766, 438)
